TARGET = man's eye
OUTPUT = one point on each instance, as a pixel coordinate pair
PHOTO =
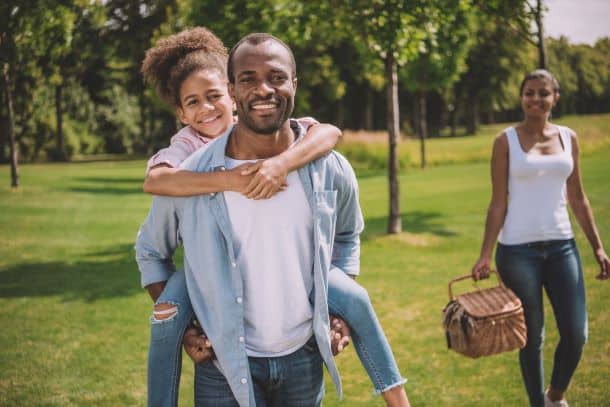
(278, 78)
(245, 80)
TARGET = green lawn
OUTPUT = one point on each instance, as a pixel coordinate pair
(75, 321)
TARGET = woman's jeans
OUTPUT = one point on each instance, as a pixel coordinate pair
(346, 299)
(555, 265)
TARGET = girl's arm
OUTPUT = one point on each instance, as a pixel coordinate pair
(270, 174)
(584, 215)
(166, 180)
(497, 207)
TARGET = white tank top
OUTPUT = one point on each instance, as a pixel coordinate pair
(537, 204)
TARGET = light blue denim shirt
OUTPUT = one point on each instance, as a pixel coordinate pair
(214, 281)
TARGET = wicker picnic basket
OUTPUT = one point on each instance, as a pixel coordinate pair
(485, 321)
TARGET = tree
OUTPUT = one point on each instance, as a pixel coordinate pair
(440, 60)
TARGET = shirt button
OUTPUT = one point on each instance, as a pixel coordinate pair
(239, 300)
(222, 169)
(241, 338)
(233, 264)
(243, 380)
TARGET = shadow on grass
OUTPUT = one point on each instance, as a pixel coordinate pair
(412, 222)
(107, 274)
(107, 185)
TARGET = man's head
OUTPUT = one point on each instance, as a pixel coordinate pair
(262, 82)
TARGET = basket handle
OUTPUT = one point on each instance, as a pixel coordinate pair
(466, 277)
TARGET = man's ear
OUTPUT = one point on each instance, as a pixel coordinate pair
(556, 99)
(294, 83)
(231, 88)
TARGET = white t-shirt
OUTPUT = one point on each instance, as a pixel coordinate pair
(537, 204)
(273, 243)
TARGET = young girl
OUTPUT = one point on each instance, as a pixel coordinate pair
(189, 72)
(535, 167)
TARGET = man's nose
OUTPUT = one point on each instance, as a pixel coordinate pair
(264, 89)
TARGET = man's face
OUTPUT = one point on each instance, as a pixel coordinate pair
(264, 86)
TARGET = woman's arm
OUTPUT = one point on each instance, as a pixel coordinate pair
(169, 181)
(270, 174)
(584, 215)
(496, 212)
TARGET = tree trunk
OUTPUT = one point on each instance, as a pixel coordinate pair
(423, 126)
(394, 220)
(11, 127)
(539, 17)
(472, 124)
(61, 151)
(368, 108)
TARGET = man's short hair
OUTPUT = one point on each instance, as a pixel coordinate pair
(256, 39)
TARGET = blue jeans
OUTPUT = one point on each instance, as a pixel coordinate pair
(555, 266)
(346, 299)
(292, 380)
(165, 351)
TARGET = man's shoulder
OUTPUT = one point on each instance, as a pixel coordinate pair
(334, 168)
(203, 159)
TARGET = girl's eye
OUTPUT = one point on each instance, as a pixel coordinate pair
(191, 102)
(215, 97)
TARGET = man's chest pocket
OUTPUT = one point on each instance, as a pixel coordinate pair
(326, 215)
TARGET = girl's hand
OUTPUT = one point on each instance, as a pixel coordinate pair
(604, 264)
(241, 176)
(481, 269)
(339, 334)
(269, 177)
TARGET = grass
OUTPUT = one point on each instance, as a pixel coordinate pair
(75, 321)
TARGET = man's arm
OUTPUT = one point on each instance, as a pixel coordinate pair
(349, 225)
(156, 242)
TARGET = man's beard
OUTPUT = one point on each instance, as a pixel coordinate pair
(270, 126)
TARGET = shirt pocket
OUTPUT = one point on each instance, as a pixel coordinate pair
(326, 216)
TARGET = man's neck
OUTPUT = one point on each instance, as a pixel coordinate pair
(245, 144)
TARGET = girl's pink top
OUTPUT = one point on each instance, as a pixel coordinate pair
(182, 144)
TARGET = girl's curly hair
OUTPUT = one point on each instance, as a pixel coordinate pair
(174, 58)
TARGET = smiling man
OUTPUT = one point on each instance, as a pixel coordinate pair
(257, 270)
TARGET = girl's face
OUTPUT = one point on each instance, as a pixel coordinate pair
(538, 98)
(205, 103)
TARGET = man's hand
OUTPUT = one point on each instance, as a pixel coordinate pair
(197, 346)
(339, 334)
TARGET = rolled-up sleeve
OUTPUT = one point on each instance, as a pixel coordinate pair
(157, 241)
(350, 223)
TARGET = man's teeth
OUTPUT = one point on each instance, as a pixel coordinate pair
(265, 106)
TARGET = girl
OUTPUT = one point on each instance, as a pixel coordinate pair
(189, 72)
(535, 167)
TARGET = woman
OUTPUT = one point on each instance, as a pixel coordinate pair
(535, 167)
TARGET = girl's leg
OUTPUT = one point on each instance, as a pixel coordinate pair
(350, 301)
(171, 315)
(520, 267)
(565, 288)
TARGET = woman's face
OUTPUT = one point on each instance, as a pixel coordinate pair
(205, 103)
(538, 97)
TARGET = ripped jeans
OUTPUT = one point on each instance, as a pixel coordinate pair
(346, 299)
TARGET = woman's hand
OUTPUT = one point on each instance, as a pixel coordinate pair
(481, 269)
(268, 177)
(604, 264)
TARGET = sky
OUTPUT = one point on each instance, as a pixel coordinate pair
(582, 21)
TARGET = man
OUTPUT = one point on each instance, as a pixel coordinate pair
(257, 271)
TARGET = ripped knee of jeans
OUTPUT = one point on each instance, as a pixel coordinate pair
(164, 311)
